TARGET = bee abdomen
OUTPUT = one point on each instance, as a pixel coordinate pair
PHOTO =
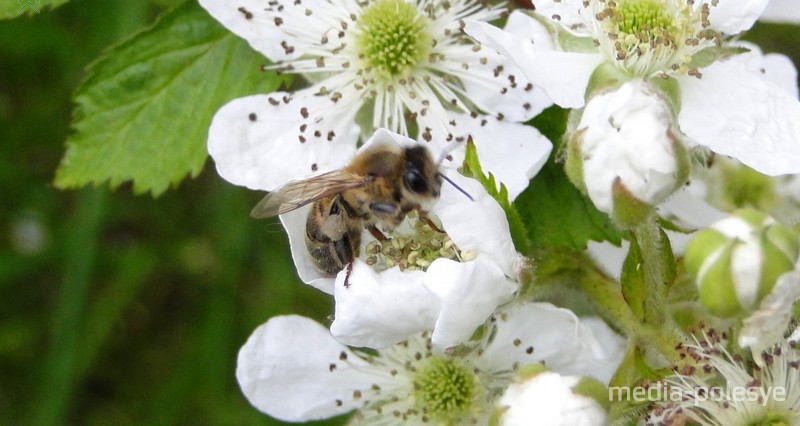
(331, 238)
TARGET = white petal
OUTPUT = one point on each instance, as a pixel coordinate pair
(518, 26)
(613, 348)
(688, 208)
(785, 11)
(562, 75)
(282, 29)
(780, 70)
(565, 12)
(547, 399)
(379, 309)
(775, 67)
(735, 16)
(738, 113)
(517, 102)
(536, 332)
(254, 141)
(284, 370)
(765, 327)
(259, 30)
(295, 224)
(608, 256)
(513, 153)
(478, 227)
(469, 293)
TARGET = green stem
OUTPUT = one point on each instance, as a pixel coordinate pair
(606, 294)
(63, 359)
(560, 271)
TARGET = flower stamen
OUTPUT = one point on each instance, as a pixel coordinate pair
(444, 389)
(414, 252)
(647, 37)
(393, 37)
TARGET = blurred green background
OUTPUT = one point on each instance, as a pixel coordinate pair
(123, 309)
(115, 308)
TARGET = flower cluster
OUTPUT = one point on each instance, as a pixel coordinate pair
(679, 52)
(394, 164)
(292, 369)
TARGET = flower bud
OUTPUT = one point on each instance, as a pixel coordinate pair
(625, 155)
(547, 398)
(737, 261)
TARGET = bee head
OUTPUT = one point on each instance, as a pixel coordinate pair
(421, 177)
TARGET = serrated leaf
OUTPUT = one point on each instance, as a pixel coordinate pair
(10, 9)
(472, 168)
(555, 213)
(144, 110)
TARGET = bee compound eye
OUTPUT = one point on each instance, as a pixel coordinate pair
(415, 182)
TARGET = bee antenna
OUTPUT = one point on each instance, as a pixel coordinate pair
(460, 189)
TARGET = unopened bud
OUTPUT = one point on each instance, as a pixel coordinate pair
(737, 261)
(548, 398)
(625, 154)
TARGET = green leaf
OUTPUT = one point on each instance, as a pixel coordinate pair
(472, 168)
(634, 287)
(650, 253)
(144, 110)
(555, 213)
(10, 9)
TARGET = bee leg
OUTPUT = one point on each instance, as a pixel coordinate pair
(347, 275)
(344, 250)
(430, 223)
(377, 233)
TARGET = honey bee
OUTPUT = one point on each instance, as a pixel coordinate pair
(377, 189)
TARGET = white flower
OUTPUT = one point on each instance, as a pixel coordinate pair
(724, 390)
(404, 65)
(549, 399)
(470, 269)
(292, 369)
(627, 148)
(727, 105)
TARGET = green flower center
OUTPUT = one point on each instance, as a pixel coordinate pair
(444, 389)
(393, 37)
(772, 419)
(645, 19)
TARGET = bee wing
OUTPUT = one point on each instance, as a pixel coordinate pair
(298, 193)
